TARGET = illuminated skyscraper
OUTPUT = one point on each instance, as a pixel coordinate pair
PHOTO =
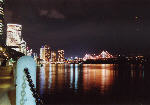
(14, 36)
(61, 58)
(42, 53)
(2, 36)
(23, 47)
(53, 57)
(45, 53)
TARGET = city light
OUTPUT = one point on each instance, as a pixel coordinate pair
(13, 35)
(61, 57)
(45, 53)
(53, 57)
(102, 55)
(89, 74)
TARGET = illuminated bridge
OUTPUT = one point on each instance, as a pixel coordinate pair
(102, 55)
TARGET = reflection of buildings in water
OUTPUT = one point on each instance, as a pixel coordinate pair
(52, 76)
(42, 79)
(46, 75)
(76, 77)
(60, 76)
(100, 76)
(71, 76)
(66, 66)
(137, 71)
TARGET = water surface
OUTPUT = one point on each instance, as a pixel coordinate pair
(93, 84)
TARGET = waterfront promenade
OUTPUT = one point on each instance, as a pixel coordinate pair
(7, 86)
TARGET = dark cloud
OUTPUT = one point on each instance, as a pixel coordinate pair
(52, 14)
(43, 12)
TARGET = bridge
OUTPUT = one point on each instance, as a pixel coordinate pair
(102, 55)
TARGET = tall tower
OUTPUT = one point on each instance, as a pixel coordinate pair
(53, 57)
(45, 53)
(14, 36)
(61, 58)
(42, 53)
(2, 35)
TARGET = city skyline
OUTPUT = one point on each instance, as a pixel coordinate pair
(116, 26)
(70, 52)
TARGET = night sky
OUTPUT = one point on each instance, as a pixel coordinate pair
(83, 26)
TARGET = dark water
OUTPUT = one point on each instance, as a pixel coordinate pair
(94, 84)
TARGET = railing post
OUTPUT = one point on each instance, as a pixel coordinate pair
(23, 93)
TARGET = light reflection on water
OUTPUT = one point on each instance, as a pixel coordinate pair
(42, 78)
(71, 76)
(98, 79)
(98, 76)
(76, 77)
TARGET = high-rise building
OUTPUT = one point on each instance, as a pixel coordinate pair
(45, 53)
(42, 53)
(61, 58)
(53, 57)
(23, 47)
(2, 35)
(14, 36)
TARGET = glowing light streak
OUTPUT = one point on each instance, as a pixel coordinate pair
(71, 76)
(50, 76)
(42, 76)
(76, 76)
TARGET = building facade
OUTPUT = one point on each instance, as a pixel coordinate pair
(61, 57)
(42, 53)
(14, 36)
(45, 53)
(2, 34)
(53, 57)
(23, 47)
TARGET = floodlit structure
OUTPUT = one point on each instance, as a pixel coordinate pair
(53, 57)
(42, 53)
(14, 39)
(2, 37)
(105, 55)
(45, 53)
(23, 47)
(88, 56)
(14, 36)
(102, 55)
(61, 57)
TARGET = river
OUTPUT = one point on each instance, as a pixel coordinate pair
(88, 84)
